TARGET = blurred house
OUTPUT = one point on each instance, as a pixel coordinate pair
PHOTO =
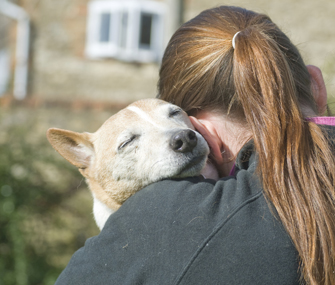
(108, 51)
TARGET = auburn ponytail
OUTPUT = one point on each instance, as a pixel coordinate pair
(264, 82)
(296, 164)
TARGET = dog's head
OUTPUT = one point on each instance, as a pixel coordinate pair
(147, 141)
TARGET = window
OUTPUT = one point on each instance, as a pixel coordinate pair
(128, 30)
(105, 27)
(145, 30)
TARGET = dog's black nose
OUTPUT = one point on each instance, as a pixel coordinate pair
(183, 141)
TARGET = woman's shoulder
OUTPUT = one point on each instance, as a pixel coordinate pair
(197, 194)
(193, 231)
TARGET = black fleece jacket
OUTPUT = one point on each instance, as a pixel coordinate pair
(192, 231)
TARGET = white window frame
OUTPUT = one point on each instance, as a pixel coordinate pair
(132, 51)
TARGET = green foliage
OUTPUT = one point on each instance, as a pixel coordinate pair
(45, 210)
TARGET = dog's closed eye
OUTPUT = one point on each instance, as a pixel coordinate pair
(127, 142)
(174, 112)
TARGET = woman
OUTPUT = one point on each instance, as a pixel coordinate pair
(236, 66)
(272, 221)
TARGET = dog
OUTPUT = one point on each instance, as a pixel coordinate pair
(147, 141)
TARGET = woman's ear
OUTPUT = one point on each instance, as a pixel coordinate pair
(318, 88)
(205, 128)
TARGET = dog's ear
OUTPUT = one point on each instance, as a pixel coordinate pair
(75, 147)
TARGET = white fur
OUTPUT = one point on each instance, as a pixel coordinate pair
(143, 115)
(101, 212)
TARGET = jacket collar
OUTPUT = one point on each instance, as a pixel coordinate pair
(245, 158)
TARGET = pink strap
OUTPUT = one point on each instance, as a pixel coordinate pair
(232, 171)
(330, 121)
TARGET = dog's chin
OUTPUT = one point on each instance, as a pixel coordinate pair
(192, 167)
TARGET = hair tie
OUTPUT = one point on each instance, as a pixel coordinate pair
(233, 41)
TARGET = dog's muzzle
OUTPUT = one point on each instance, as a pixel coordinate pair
(183, 141)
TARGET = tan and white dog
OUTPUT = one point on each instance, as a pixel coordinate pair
(147, 141)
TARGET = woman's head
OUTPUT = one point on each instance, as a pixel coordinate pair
(202, 70)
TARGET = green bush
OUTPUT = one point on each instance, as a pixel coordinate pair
(45, 210)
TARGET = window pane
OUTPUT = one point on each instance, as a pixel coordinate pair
(145, 31)
(105, 22)
(124, 28)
